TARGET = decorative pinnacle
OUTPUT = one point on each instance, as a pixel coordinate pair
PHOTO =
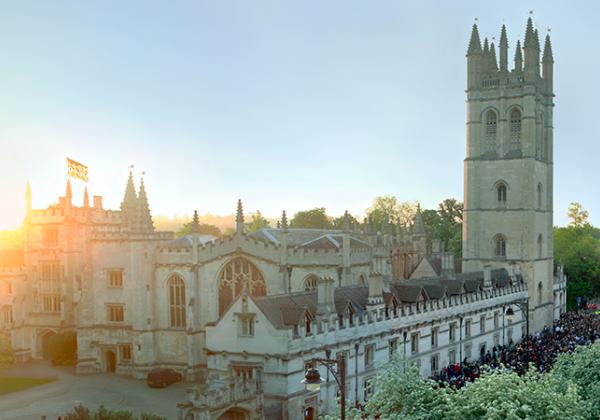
(195, 223)
(346, 221)
(69, 193)
(284, 221)
(474, 43)
(547, 57)
(529, 34)
(240, 212)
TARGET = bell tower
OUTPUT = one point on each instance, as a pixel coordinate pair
(508, 168)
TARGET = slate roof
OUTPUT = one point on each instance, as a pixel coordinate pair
(187, 240)
(290, 309)
(309, 238)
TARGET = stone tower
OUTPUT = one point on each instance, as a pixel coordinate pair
(508, 168)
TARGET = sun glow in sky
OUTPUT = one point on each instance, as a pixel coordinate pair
(288, 105)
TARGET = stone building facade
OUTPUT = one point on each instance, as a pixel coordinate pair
(244, 316)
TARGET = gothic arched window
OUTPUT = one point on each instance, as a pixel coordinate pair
(499, 246)
(501, 193)
(311, 282)
(539, 195)
(515, 129)
(540, 244)
(237, 275)
(491, 130)
(176, 288)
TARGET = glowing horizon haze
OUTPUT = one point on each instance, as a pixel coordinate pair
(286, 105)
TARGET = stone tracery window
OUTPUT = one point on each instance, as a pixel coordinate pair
(491, 129)
(237, 275)
(515, 129)
(177, 317)
(500, 246)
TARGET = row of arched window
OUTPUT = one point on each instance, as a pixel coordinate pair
(499, 244)
(502, 194)
(491, 131)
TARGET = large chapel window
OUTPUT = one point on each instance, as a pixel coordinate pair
(177, 316)
(237, 275)
(491, 130)
(500, 246)
(50, 286)
(515, 129)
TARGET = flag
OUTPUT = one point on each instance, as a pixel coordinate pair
(77, 170)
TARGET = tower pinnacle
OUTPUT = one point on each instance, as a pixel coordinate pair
(474, 43)
(503, 49)
(239, 218)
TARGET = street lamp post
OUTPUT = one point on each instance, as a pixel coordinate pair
(523, 305)
(337, 367)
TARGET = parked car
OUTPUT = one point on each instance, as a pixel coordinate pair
(162, 377)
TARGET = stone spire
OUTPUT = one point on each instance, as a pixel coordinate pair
(69, 194)
(28, 198)
(86, 198)
(346, 226)
(239, 218)
(474, 42)
(144, 218)
(518, 58)
(129, 204)
(531, 47)
(195, 223)
(284, 221)
(548, 57)
(419, 227)
(493, 63)
(547, 65)
(485, 62)
(503, 50)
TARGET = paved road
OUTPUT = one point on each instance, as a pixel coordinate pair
(59, 397)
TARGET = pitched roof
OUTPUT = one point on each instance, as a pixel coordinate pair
(187, 240)
(309, 238)
(290, 309)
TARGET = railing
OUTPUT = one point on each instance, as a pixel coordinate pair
(225, 394)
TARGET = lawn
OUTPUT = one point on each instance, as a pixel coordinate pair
(10, 384)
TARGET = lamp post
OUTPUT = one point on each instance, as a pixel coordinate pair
(337, 367)
(523, 305)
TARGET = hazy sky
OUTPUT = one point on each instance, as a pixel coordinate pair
(286, 104)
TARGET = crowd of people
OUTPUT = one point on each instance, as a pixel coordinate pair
(541, 349)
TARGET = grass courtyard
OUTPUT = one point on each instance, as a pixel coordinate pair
(10, 384)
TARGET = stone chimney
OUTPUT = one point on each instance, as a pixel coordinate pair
(375, 289)
(487, 277)
(325, 296)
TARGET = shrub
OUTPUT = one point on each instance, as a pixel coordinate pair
(7, 356)
(83, 413)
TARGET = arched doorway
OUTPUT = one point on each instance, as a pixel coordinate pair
(44, 344)
(111, 361)
(234, 414)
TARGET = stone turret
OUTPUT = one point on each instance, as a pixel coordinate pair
(548, 65)
(144, 218)
(503, 50)
(239, 218)
(518, 58)
(129, 204)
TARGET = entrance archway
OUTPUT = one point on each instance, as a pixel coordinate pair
(44, 347)
(111, 361)
(234, 414)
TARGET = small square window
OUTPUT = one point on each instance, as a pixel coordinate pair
(482, 324)
(434, 337)
(414, 343)
(369, 355)
(126, 353)
(115, 278)
(115, 312)
(452, 332)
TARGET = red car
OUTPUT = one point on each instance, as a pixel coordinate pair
(162, 377)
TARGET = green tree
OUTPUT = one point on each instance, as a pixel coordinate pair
(338, 222)
(577, 248)
(577, 215)
(388, 206)
(502, 394)
(204, 229)
(7, 355)
(583, 369)
(312, 219)
(258, 222)
(445, 224)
